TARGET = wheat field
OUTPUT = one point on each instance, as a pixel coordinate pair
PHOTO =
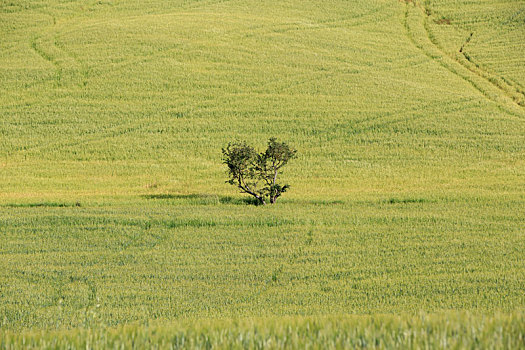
(404, 224)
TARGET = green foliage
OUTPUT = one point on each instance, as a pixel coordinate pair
(268, 165)
(241, 161)
(247, 169)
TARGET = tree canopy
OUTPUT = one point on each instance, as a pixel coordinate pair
(256, 173)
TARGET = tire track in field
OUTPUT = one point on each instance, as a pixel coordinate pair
(112, 132)
(342, 23)
(391, 118)
(67, 67)
(507, 84)
(513, 90)
(414, 24)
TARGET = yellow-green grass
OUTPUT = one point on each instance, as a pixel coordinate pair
(172, 257)
(485, 36)
(407, 195)
(449, 330)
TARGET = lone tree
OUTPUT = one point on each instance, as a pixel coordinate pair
(256, 173)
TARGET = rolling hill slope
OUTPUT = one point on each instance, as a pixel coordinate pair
(407, 195)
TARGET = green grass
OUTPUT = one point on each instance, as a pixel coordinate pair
(450, 330)
(407, 195)
(169, 258)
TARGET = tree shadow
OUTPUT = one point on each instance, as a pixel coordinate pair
(210, 199)
(42, 204)
(203, 198)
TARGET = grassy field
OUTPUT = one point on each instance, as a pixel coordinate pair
(448, 330)
(407, 196)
